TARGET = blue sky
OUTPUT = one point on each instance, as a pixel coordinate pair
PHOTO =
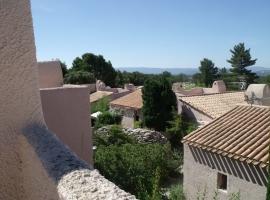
(151, 33)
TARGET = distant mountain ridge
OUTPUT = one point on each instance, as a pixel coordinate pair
(261, 71)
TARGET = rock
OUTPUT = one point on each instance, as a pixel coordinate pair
(141, 135)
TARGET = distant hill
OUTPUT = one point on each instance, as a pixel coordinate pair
(148, 70)
(261, 71)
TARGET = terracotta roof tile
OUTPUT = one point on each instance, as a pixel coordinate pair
(214, 105)
(99, 95)
(132, 100)
(242, 133)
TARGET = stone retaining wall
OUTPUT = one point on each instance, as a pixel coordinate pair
(141, 135)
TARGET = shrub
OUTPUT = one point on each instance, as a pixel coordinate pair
(117, 113)
(179, 127)
(177, 192)
(101, 105)
(104, 119)
(138, 124)
(115, 135)
(133, 166)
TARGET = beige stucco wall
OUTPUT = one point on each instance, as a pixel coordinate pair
(91, 87)
(66, 113)
(21, 169)
(34, 163)
(217, 87)
(50, 74)
(258, 94)
(201, 168)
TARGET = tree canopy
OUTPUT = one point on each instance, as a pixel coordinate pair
(208, 72)
(79, 77)
(240, 60)
(96, 65)
(158, 100)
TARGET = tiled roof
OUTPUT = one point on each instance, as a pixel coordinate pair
(242, 133)
(98, 95)
(214, 105)
(132, 100)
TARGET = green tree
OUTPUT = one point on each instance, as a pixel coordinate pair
(197, 79)
(265, 80)
(79, 77)
(240, 60)
(228, 77)
(96, 65)
(120, 80)
(179, 127)
(208, 72)
(158, 100)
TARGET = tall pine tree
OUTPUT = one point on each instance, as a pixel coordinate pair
(240, 60)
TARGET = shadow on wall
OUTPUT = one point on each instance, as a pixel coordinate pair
(56, 158)
(242, 170)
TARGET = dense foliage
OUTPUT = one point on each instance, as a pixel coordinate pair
(158, 100)
(114, 136)
(132, 166)
(101, 105)
(179, 127)
(240, 60)
(79, 77)
(265, 80)
(96, 65)
(209, 72)
(105, 118)
(117, 113)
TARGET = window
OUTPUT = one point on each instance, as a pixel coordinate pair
(137, 118)
(222, 181)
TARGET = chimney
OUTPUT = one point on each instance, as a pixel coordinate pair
(258, 94)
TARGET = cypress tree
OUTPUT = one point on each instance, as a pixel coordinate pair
(158, 100)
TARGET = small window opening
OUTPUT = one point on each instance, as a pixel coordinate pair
(137, 118)
(222, 181)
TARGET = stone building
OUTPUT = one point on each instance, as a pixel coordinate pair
(230, 154)
(132, 105)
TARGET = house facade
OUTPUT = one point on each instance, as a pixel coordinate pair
(229, 155)
(132, 106)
